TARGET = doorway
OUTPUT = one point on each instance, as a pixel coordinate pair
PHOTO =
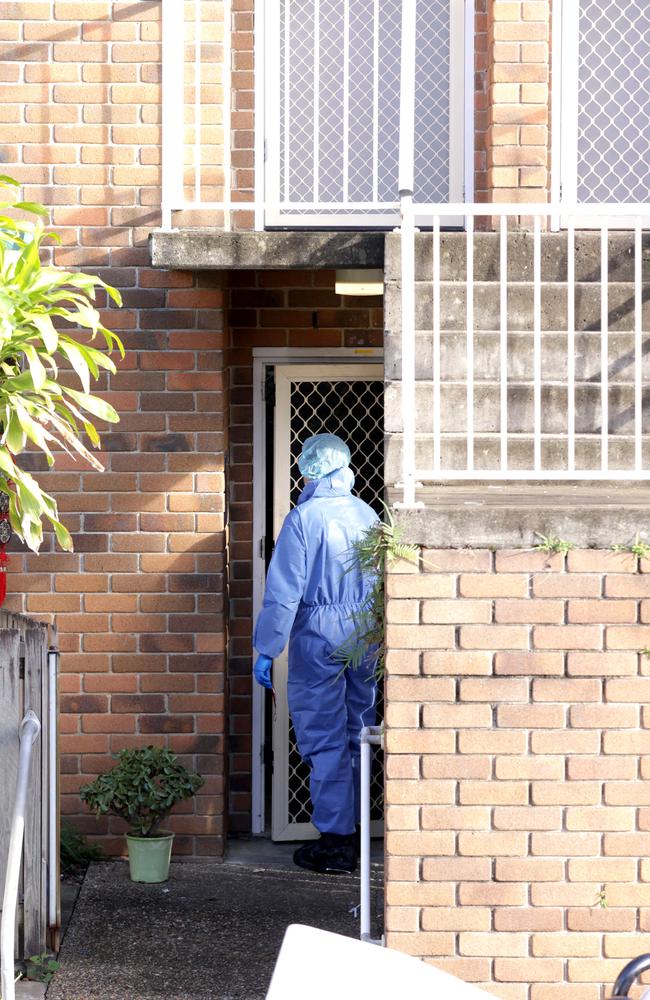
(297, 398)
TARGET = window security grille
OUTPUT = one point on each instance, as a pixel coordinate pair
(613, 101)
(339, 100)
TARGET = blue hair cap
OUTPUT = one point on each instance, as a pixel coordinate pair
(323, 454)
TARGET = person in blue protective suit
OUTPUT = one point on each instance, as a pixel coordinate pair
(312, 594)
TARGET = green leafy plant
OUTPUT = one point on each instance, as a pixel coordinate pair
(551, 544)
(75, 852)
(372, 554)
(40, 309)
(41, 968)
(142, 788)
(601, 898)
(637, 548)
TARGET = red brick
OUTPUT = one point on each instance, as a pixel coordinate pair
(495, 637)
(602, 611)
(600, 561)
(601, 664)
(567, 637)
(528, 611)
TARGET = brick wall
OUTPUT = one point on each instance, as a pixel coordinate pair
(518, 136)
(269, 309)
(517, 759)
(139, 604)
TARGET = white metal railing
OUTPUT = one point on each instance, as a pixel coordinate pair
(202, 165)
(30, 728)
(197, 167)
(613, 427)
(422, 413)
(326, 106)
(370, 736)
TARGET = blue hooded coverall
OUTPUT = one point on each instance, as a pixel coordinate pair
(311, 598)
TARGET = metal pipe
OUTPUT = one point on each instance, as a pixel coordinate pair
(437, 354)
(30, 727)
(503, 342)
(369, 735)
(469, 341)
(198, 107)
(52, 772)
(173, 103)
(571, 345)
(406, 183)
(638, 346)
(407, 99)
(444, 211)
(629, 973)
(227, 109)
(537, 343)
(604, 345)
(408, 350)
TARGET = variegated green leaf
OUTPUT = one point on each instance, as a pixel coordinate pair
(95, 405)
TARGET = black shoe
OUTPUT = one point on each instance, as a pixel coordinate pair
(333, 854)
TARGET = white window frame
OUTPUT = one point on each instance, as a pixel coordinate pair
(461, 145)
(564, 121)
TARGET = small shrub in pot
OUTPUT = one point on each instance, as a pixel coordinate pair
(142, 789)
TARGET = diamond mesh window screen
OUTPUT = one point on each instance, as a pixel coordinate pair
(339, 83)
(614, 101)
(355, 411)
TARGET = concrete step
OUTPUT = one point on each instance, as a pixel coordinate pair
(512, 515)
(487, 403)
(554, 356)
(453, 300)
(520, 454)
(554, 255)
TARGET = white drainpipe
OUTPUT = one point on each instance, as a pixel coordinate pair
(30, 727)
(406, 184)
(370, 735)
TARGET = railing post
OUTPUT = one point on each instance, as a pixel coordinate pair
(173, 102)
(52, 757)
(406, 185)
(227, 111)
(407, 100)
(30, 727)
(370, 735)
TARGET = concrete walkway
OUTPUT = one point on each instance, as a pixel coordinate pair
(213, 931)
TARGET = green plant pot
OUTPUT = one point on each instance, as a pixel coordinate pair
(149, 857)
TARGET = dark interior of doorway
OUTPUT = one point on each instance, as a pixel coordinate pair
(355, 411)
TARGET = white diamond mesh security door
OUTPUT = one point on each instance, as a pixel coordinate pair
(332, 109)
(344, 399)
(606, 101)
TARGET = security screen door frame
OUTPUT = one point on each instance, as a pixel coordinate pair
(577, 138)
(341, 365)
(342, 121)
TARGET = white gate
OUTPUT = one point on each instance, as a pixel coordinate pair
(605, 101)
(332, 109)
(345, 399)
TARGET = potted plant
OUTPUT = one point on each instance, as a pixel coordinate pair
(143, 788)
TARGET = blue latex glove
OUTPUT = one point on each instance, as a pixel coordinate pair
(262, 671)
